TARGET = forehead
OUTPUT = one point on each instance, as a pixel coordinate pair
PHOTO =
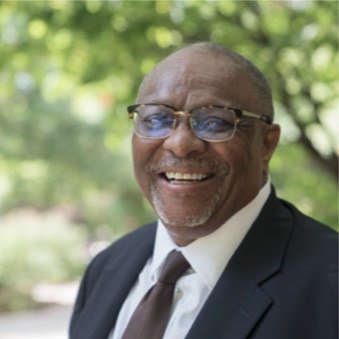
(190, 80)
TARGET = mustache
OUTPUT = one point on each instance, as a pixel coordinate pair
(194, 163)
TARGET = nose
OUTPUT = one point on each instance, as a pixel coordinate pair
(182, 142)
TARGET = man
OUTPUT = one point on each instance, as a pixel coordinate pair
(258, 267)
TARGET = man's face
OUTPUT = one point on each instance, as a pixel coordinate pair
(195, 185)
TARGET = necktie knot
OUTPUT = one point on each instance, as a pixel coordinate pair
(174, 266)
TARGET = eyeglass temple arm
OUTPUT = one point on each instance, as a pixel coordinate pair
(256, 116)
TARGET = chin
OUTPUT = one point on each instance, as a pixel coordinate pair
(184, 218)
(180, 215)
(187, 221)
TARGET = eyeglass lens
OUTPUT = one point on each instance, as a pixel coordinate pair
(210, 123)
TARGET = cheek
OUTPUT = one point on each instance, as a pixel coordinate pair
(138, 158)
(235, 155)
(242, 158)
(143, 152)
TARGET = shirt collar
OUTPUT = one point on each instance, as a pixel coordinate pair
(209, 255)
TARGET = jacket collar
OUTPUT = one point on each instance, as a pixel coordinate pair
(238, 300)
(111, 289)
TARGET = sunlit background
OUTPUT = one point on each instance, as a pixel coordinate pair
(68, 69)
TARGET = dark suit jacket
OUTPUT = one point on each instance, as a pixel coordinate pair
(281, 283)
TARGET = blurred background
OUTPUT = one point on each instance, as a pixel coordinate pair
(68, 69)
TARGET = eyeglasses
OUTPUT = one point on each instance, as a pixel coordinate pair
(210, 123)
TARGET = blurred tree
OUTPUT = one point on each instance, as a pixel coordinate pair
(68, 68)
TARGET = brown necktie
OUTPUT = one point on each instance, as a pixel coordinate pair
(150, 318)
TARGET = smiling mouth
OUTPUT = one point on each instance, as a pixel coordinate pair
(177, 178)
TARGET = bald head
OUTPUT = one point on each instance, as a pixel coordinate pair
(216, 60)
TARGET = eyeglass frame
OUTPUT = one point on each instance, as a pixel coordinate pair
(239, 113)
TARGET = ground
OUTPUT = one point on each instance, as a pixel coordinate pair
(51, 321)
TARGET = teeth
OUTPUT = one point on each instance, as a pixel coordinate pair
(185, 176)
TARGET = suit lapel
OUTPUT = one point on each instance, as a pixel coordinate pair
(238, 301)
(121, 272)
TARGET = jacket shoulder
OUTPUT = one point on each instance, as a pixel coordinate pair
(311, 230)
(139, 239)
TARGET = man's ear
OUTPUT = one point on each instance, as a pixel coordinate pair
(271, 136)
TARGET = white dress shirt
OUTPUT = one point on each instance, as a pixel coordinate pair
(208, 257)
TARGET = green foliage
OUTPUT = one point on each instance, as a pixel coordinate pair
(299, 180)
(35, 247)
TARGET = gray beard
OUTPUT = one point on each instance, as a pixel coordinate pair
(187, 220)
